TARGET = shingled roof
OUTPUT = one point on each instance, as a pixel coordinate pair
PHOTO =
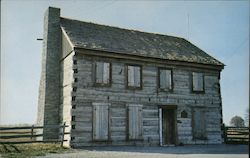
(113, 39)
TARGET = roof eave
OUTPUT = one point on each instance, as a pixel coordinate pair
(96, 52)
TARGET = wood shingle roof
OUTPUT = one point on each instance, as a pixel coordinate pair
(113, 39)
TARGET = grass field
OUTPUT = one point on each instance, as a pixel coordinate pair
(26, 150)
(30, 150)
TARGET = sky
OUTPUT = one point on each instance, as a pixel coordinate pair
(220, 28)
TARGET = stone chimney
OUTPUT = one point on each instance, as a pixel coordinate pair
(49, 90)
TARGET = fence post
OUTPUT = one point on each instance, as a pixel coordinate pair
(225, 134)
(63, 131)
(32, 132)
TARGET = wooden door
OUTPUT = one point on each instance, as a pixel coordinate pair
(168, 126)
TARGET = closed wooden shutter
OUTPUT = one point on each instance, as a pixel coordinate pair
(195, 81)
(99, 72)
(198, 81)
(168, 79)
(106, 72)
(135, 129)
(162, 79)
(131, 81)
(100, 121)
(134, 76)
(165, 79)
(199, 123)
(137, 76)
(102, 72)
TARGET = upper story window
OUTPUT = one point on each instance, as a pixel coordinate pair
(165, 79)
(103, 73)
(198, 82)
(134, 76)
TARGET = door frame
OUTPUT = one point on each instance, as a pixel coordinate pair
(168, 107)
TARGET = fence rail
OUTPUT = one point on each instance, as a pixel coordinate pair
(27, 134)
(236, 135)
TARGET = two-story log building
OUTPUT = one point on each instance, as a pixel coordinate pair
(116, 86)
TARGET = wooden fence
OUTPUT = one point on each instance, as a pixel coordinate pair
(28, 134)
(236, 135)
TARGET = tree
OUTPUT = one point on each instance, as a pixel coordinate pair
(247, 117)
(237, 121)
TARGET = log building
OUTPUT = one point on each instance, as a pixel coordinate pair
(116, 86)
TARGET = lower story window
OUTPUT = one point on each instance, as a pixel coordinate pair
(135, 130)
(100, 121)
(199, 123)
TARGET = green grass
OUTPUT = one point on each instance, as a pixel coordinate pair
(31, 150)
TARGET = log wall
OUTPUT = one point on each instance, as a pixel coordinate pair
(118, 96)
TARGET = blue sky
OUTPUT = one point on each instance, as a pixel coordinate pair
(220, 28)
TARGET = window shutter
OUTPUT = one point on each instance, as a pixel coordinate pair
(162, 79)
(100, 122)
(106, 75)
(198, 81)
(165, 79)
(130, 76)
(135, 122)
(195, 81)
(137, 76)
(168, 79)
(99, 72)
(199, 124)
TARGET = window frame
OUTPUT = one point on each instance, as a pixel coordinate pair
(126, 76)
(203, 82)
(159, 80)
(110, 75)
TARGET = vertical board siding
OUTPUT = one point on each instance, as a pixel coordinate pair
(134, 76)
(100, 121)
(200, 81)
(197, 81)
(162, 79)
(165, 79)
(168, 79)
(99, 72)
(137, 76)
(106, 68)
(131, 77)
(135, 121)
